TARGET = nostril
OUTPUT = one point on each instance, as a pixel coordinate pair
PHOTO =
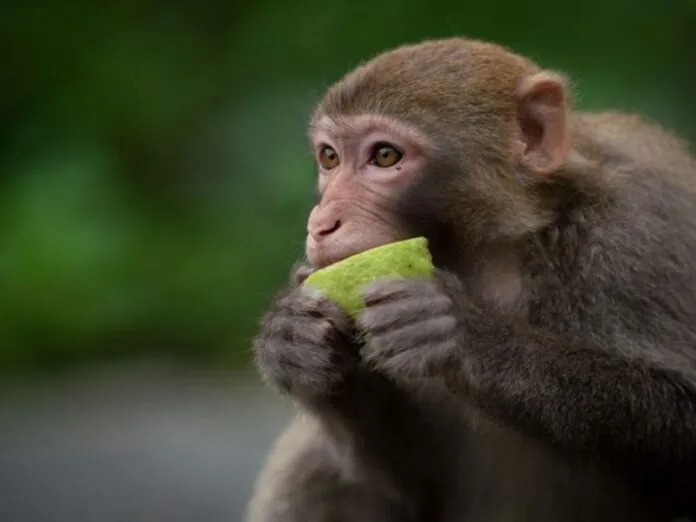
(330, 230)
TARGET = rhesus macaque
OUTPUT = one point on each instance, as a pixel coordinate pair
(548, 372)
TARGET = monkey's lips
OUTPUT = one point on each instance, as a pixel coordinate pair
(324, 253)
(328, 251)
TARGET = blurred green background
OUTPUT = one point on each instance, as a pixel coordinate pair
(154, 184)
(154, 176)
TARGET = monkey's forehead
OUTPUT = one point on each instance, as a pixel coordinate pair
(347, 128)
(437, 78)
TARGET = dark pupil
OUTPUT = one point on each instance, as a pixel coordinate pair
(385, 152)
(329, 154)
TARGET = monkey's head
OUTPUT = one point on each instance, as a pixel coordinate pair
(445, 139)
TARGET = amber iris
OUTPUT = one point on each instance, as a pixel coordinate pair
(328, 158)
(385, 155)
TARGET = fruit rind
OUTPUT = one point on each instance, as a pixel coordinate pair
(343, 281)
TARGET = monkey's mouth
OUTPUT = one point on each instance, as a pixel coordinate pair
(322, 254)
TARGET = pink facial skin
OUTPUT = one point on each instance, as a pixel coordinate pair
(356, 212)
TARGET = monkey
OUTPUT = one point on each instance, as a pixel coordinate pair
(547, 372)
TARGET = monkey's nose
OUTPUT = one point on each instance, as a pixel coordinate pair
(328, 228)
(320, 228)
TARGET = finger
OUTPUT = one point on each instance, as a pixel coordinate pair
(396, 288)
(310, 302)
(298, 330)
(422, 333)
(436, 360)
(394, 314)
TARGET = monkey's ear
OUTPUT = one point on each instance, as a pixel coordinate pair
(543, 121)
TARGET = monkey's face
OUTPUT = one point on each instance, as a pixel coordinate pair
(365, 165)
(411, 144)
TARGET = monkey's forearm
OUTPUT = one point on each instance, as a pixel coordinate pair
(379, 422)
(586, 400)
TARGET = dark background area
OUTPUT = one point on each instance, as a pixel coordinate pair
(154, 182)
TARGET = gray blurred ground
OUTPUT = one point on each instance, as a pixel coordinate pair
(148, 443)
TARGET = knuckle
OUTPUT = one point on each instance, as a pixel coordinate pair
(300, 272)
(312, 302)
(308, 293)
(374, 322)
(329, 309)
(307, 299)
(386, 286)
(365, 319)
(286, 304)
(324, 329)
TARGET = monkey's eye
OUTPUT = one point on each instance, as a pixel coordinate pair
(385, 155)
(328, 158)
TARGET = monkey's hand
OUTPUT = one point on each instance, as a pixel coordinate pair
(410, 327)
(304, 347)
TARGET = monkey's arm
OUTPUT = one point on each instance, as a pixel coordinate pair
(582, 395)
(307, 350)
(586, 396)
(590, 400)
(345, 453)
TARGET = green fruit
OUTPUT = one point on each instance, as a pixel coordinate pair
(343, 281)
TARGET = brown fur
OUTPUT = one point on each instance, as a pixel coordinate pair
(461, 93)
(548, 372)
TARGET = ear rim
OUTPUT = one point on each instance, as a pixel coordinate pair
(543, 98)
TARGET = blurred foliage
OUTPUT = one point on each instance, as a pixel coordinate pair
(154, 175)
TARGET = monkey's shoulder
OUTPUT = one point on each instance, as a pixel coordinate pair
(635, 139)
(625, 266)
